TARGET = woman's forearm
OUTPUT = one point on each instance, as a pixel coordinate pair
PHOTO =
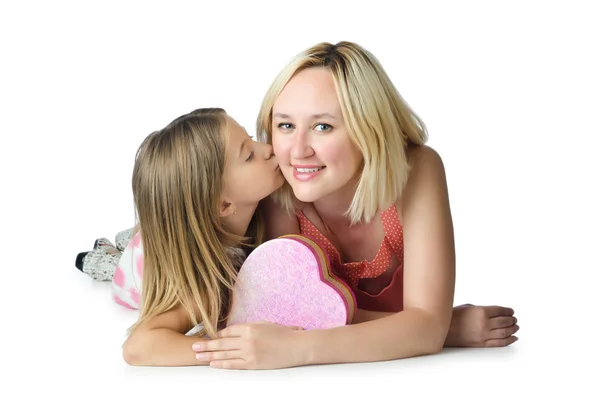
(160, 347)
(362, 316)
(410, 333)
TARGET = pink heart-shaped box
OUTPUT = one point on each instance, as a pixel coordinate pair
(288, 281)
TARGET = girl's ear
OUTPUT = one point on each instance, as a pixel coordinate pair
(226, 208)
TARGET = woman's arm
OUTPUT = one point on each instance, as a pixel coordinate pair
(362, 316)
(421, 328)
(161, 341)
(429, 274)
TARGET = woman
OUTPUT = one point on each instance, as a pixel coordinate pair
(362, 182)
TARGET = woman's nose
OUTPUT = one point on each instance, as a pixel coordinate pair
(301, 147)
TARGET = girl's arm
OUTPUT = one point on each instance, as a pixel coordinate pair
(421, 328)
(161, 341)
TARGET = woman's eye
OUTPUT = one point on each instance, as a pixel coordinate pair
(323, 127)
(285, 126)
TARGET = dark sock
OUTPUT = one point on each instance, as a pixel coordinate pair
(79, 260)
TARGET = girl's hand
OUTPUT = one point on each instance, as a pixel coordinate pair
(254, 346)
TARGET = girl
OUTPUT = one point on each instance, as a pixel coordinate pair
(362, 182)
(196, 184)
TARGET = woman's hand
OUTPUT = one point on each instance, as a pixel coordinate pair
(254, 346)
(482, 326)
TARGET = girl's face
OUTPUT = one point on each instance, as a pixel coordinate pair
(310, 139)
(251, 169)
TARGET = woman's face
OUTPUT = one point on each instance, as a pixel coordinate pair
(251, 169)
(310, 139)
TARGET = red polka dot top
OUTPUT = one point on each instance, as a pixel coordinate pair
(390, 298)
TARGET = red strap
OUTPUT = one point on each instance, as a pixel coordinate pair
(393, 231)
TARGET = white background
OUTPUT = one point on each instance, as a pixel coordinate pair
(509, 91)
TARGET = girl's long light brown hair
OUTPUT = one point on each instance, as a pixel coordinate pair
(177, 182)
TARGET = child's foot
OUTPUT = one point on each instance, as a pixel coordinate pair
(103, 244)
(99, 264)
(123, 238)
(79, 260)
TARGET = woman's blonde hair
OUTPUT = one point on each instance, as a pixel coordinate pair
(177, 182)
(378, 120)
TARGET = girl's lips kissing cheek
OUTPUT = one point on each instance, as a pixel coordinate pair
(305, 173)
